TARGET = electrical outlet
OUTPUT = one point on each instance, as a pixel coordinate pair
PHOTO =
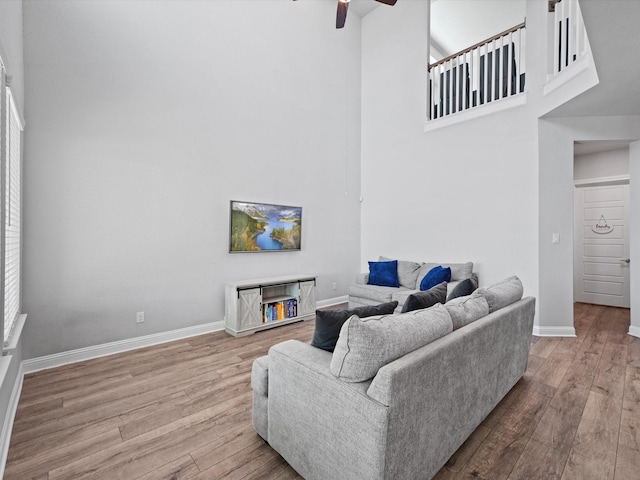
(140, 317)
(335, 285)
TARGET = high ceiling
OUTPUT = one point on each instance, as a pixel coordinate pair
(458, 24)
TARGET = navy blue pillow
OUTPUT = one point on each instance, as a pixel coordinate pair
(435, 276)
(464, 288)
(384, 274)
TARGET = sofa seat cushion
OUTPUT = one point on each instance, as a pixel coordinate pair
(366, 345)
(329, 322)
(373, 292)
(501, 294)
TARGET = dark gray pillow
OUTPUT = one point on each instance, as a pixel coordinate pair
(426, 299)
(464, 288)
(329, 322)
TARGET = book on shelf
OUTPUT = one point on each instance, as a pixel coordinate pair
(274, 311)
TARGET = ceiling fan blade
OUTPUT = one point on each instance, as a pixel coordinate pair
(341, 15)
(387, 2)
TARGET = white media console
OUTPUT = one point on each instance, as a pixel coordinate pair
(257, 304)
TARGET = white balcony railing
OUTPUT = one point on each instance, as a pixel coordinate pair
(484, 73)
(569, 35)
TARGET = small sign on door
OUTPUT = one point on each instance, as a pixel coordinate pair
(602, 226)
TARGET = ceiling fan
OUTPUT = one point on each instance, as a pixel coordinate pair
(343, 5)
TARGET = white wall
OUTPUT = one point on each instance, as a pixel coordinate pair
(11, 46)
(145, 120)
(453, 194)
(611, 163)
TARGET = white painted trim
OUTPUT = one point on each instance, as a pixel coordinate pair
(613, 180)
(87, 353)
(7, 426)
(634, 331)
(478, 111)
(16, 334)
(539, 331)
(330, 302)
(567, 74)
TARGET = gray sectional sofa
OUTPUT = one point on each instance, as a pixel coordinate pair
(400, 393)
(410, 275)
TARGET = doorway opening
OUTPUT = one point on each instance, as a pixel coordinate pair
(601, 273)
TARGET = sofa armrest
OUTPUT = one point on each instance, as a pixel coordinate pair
(362, 278)
(260, 375)
(314, 416)
(260, 387)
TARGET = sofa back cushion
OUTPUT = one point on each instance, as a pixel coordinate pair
(364, 346)
(407, 272)
(501, 294)
(464, 310)
(329, 322)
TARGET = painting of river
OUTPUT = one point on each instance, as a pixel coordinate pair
(260, 227)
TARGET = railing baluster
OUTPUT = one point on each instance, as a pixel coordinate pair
(510, 71)
(465, 68)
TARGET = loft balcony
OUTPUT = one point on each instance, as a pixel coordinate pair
(485, 72)
(495, 69)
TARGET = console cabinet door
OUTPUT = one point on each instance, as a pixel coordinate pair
(307, 302)
(249, 308)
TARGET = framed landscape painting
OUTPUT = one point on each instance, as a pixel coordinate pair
(264, 227)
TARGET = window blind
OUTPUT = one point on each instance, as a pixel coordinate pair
(11, 199)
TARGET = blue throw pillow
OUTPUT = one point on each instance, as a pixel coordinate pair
(435, 276)
(384, 274)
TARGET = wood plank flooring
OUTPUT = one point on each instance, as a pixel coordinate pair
(182, 410)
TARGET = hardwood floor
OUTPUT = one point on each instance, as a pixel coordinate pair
(182, 410)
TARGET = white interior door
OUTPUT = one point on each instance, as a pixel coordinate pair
(601, 234)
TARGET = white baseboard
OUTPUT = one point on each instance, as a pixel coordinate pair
(539, 331)
(330, 302)
(634, 331)
(87, 353)
(7, 427)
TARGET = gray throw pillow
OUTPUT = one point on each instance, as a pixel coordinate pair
(426, 299)
(501, 294)
(464, 310)
(366, 345)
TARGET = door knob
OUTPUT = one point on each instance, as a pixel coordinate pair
(626, 260)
